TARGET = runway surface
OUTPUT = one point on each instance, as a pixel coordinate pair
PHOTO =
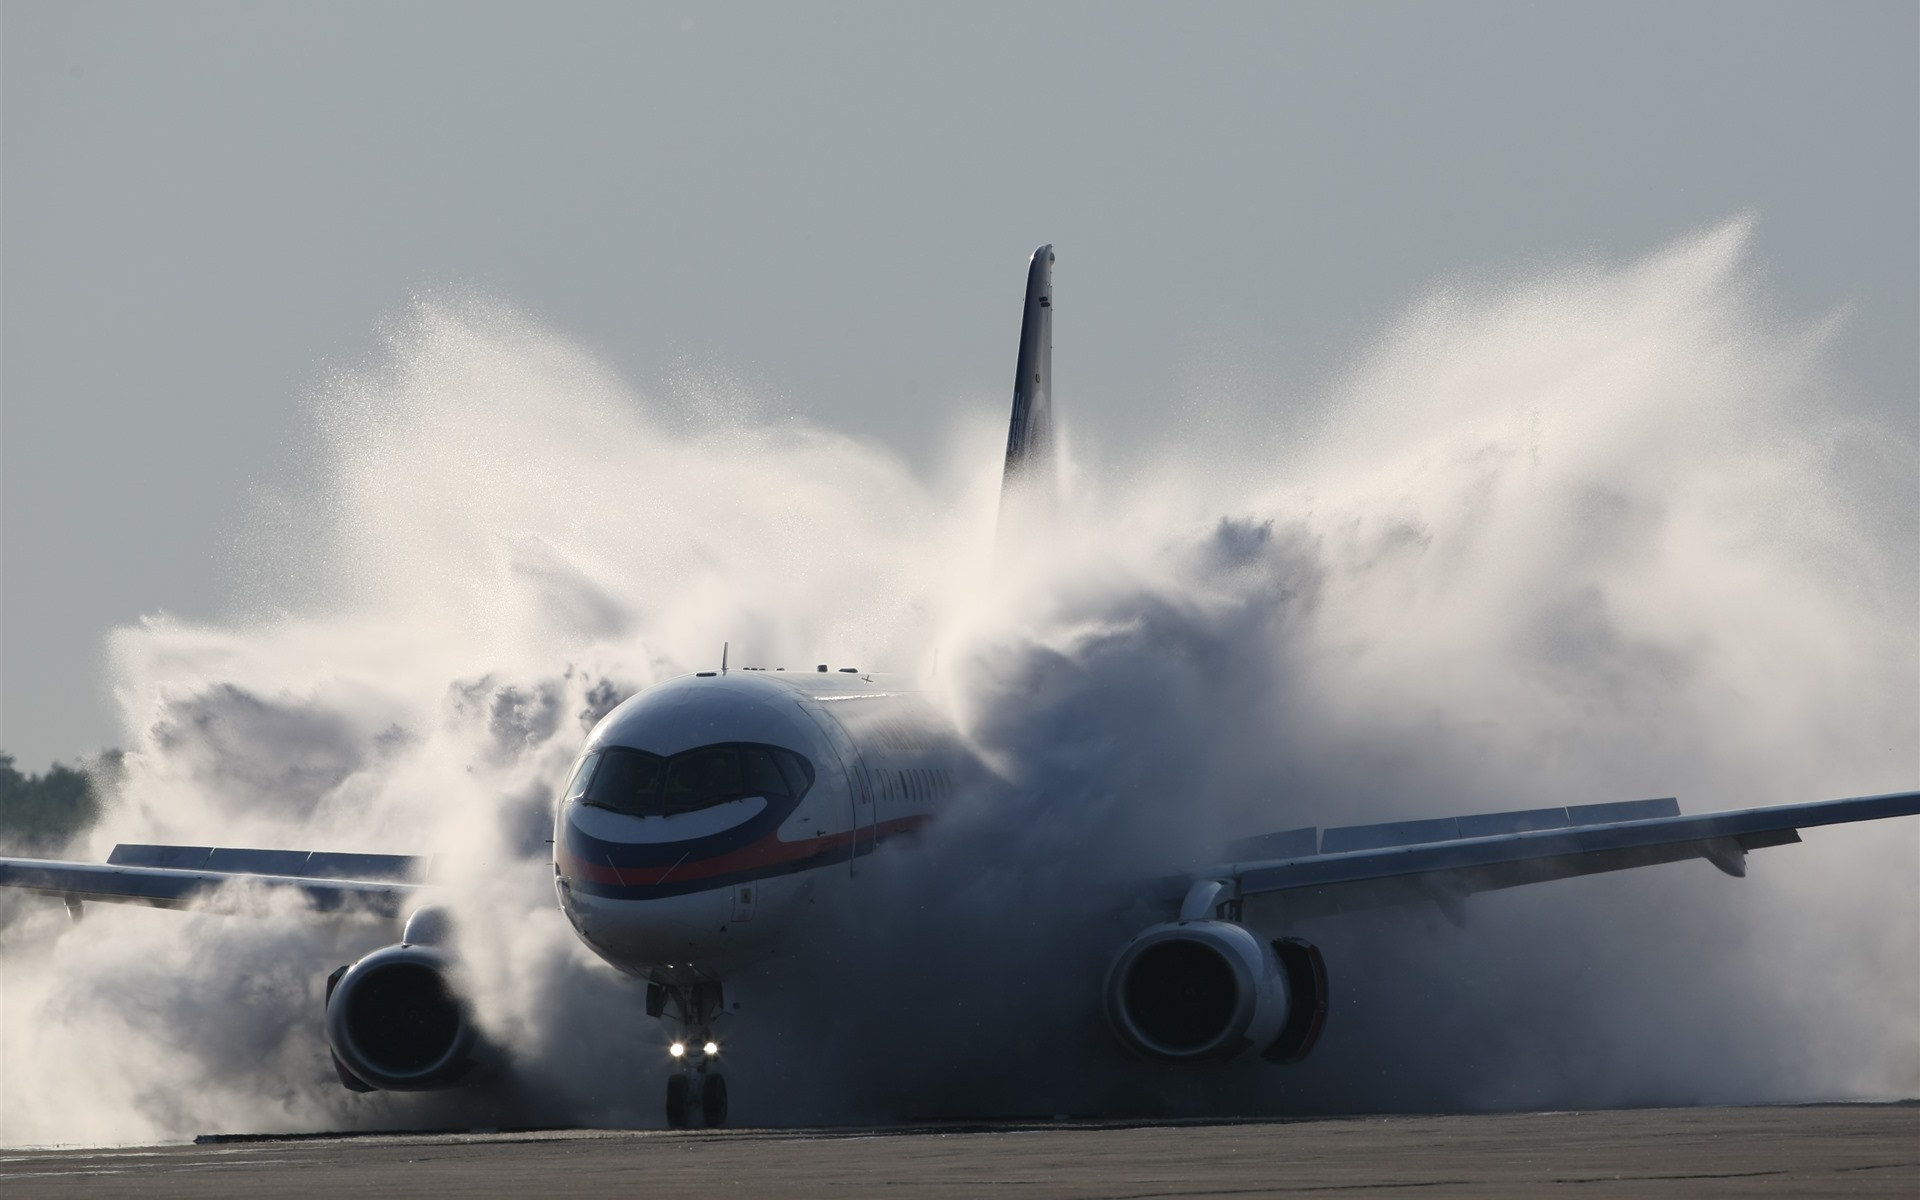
(1821, 1150)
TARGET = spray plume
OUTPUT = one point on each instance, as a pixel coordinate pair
(1591, 536)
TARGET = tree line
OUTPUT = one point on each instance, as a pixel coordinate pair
(43, 812)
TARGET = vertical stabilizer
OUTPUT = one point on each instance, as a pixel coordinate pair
(1030, 435)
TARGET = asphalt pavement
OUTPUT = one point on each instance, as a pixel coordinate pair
(1818, 1150)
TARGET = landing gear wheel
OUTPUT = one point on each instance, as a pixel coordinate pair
(713, 1101)
(679, 1101)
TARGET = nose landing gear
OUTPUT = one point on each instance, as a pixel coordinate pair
(692, 1094)
(695, 1091)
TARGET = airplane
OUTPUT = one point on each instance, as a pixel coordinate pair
(708, 816)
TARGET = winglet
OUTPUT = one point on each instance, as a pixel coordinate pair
(1030, 433)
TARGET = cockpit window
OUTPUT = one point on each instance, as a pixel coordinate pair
(626, 780)
(582, 775)
(647, 785)
(761, 775)
(702, 778)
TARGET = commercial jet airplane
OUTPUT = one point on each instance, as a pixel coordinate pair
(706, 816)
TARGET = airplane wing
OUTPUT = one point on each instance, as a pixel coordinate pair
(192, 876)
(1443, 861)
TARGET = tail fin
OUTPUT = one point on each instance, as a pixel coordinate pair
(1030, 436)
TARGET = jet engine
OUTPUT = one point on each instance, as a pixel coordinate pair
(394, 1022)
(1191, 990)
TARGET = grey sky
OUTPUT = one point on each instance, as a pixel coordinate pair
(207, 205)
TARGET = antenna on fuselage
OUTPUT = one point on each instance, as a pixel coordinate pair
(723, 658)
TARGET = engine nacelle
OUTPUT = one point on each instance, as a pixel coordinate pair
(394, 1022)
(1191, 990)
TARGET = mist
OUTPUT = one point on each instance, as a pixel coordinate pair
(1603, 532)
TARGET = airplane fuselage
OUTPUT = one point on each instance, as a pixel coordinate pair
(705, 813)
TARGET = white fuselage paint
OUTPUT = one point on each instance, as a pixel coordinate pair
(702, 894)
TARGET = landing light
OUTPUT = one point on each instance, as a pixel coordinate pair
(677, 1049)
(710, 1049)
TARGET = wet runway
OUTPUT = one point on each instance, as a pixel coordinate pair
(1822, 1150)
